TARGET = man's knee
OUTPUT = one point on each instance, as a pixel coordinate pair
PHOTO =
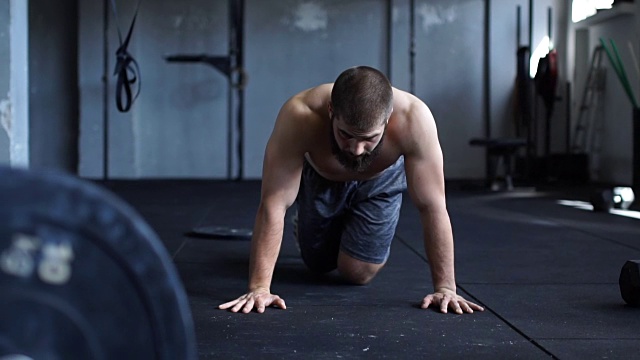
(356, 271)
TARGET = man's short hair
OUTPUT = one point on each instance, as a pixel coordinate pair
(362, 97)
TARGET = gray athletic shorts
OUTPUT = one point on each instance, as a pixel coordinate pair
(357, 217)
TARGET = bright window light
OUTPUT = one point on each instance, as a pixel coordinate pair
(541, 51)
(582, 9)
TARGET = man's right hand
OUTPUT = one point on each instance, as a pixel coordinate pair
(258, 299)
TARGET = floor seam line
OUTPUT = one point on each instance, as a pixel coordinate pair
(495, 313)
(570, 227)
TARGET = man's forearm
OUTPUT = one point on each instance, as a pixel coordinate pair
(438, 243)
(265, 247)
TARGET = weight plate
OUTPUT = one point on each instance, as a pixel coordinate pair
(83, 276)
(221, 233)
(629, 282)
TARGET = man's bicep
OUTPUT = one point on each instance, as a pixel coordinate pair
(424, 169)
(425, 183)
(281, 173)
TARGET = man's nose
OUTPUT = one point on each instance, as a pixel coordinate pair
(356, 148)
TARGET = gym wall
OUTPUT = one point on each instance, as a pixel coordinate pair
(294, 45)
(449, 78)
(178, 126)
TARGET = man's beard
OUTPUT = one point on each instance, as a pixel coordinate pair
(359, 163)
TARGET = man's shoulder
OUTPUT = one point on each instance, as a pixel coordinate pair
(409, 110)
(405, 102)
(308, 103)
(314, 97)
(411, 119)
(303, 116)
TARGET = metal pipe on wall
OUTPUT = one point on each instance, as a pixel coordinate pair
(487, 68)
(412, 46)
(105, 91)
(547, 128)
(73, 152)
(389, 39)
(487, 82)
(530, 27)
(518, 32)
(531, 126)
(549, 23)
(230, 90)
(238, 24)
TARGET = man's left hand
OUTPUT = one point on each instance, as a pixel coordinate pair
(448, 299)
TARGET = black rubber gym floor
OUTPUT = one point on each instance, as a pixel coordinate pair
(547, 274)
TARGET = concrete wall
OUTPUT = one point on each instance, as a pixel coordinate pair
(178, 126)
(293, 45)
(449, 78)
(504, 46)
(5, 42)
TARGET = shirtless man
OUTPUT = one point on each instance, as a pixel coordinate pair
(345, 152)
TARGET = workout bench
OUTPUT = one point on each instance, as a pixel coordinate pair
(501, 152)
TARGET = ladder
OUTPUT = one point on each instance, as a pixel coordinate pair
(589, 126)
(589, 123)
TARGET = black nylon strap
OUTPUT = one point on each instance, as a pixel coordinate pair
(126, 69)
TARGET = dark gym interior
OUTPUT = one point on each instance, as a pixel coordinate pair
(138, 128)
